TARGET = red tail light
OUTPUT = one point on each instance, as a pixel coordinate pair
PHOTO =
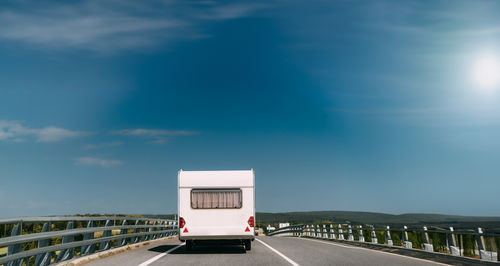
(182, 222)
(251, 221)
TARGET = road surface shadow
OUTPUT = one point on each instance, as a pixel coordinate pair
(206, 249)
(162, 248)
(212, 249)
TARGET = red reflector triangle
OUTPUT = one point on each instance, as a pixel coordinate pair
(247, 230)
(185, 230)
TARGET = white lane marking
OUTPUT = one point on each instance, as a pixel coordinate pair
(279, 253)
(329, 243)
(383, 252)
(157, 257)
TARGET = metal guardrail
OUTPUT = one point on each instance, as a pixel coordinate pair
(486, 250)
(78, 236)
(293, 230)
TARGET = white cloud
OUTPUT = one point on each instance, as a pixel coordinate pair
(451, 23)
(93, 161)
(140, 132)
(236, 10)
(49, 134)
(109, 25)
(102, 145)
(13, 130)
(157, 136)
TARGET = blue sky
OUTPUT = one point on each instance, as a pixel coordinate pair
(337, 105)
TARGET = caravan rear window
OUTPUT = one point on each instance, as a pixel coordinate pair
(216, 198)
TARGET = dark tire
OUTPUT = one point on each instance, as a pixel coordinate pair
(189, 245)
(248, 244)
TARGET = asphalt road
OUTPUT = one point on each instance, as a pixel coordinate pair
(265, 251)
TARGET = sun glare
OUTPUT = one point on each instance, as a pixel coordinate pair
(486, 72)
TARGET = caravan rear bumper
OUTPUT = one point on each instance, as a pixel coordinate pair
(215, 237)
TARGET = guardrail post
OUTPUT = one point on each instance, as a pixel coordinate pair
(374, 236)
(318, 231)
(307, 230)
(361, 236)
(168, 225)
(452, 243)
(67, 254)
(146, 229)
(135, 239)
(341, 233)
(124, 231)
(388, 236)
(154, 229)
(332, 232)
(16, 248)
(164, 227)
(105, 245)
(427, 244)
(325, 234)
(44, 259)
(173, 227)
(350, 236)
(313, 233)
(160, 228)
(407, 243)
(151, 237)
(88, 249)
(485, 255)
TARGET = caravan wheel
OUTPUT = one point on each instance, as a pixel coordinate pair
(248, 244)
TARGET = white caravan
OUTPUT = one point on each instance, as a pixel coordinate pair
(216, 205)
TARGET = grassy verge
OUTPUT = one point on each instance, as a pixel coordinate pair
(3, 251)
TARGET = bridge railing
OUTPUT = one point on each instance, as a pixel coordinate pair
(471, 243)
(45, 240)
(293, 230)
